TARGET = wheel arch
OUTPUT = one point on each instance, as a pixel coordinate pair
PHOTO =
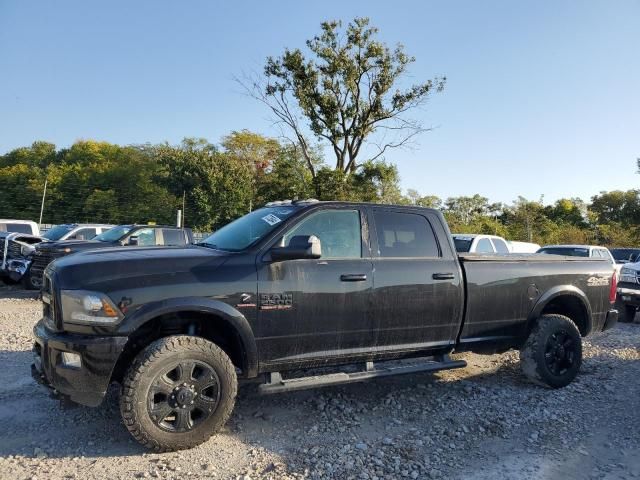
(567, 300)
(207, 318)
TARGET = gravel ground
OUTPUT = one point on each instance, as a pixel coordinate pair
(482, 422)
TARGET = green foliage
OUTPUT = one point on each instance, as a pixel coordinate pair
(346, 88)
(101, 182)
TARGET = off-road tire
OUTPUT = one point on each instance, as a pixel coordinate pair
(26, 282)
(626, 313)
(146, 367)
(532, 355)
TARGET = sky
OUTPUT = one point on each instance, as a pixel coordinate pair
(542, 98)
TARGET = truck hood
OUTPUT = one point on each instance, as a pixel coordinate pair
(75, 245)
(110, 268)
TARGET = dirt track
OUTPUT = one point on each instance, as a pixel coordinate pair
(483, 422)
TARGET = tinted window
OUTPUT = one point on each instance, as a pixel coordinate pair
(571, 252)
(85, 233)
(501, 247)
(146, 237)
(19, 228)
(404, 235)
(338, 231)
(462, 244)
(173, 237)
(111, 235)
(484, 246)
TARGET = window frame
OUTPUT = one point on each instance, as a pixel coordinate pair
(373, 232)
(495, 241)
(490, 244)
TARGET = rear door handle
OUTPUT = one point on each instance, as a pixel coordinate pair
(443, 276)
(353, 277)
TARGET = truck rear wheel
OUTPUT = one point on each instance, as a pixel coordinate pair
(552, 354)
(179, 391)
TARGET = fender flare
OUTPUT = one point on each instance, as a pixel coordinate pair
(562, 291)
(210, 306)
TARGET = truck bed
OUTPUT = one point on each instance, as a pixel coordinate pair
(502, 292)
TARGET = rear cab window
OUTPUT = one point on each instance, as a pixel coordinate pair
(404, 235)
(173, 237)
(484, 246)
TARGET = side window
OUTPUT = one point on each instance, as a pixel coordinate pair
(404, 235)
(173, 237)
(596, 253)
(484, 246)
(85, 233)
(338, 231)
(501, 247)
(146, 237)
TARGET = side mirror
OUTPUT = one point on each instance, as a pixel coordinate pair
(133, 241)
(300, 247)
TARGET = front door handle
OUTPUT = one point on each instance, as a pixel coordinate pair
(353, 277)
(443, 276)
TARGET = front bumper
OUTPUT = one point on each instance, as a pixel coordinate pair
(629, 296)
(87, 384)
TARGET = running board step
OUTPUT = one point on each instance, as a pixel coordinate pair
(276, 384)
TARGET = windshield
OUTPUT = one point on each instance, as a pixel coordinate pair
(244, 231)
(462, 244)
(57, 232)
(569, 251)
(114, 234)
(624, 254)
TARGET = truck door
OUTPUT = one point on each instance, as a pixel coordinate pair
(317, 308)
(417, 290)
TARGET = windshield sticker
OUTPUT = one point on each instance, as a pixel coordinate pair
(271, 219)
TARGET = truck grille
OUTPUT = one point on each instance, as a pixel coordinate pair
(50, 310)
(2, 241)
(41, 259)
(14, 250)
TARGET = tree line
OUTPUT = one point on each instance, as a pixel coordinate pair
(94, 181)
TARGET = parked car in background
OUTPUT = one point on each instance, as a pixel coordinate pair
(20, 247)
(8, 227)
(625, 255)
(471, 243)
(122, 235)
(591, 251)
(523, 247)
(75, 231)
(628, 298)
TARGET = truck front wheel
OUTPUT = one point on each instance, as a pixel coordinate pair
(179, 391)
(552, 354)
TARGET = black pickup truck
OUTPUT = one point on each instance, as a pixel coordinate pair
(140, 235)
(295, 285)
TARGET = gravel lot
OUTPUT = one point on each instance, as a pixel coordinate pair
(483, 422)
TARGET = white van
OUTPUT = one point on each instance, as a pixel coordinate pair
(469, 243)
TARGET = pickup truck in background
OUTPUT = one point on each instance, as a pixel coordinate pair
(472, 243)
(122, 235)
(296, 285)
(10, 228)
(20, 247)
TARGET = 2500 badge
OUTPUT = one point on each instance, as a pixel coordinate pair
(276, 301)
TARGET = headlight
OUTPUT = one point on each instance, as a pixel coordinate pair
(88, 308)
